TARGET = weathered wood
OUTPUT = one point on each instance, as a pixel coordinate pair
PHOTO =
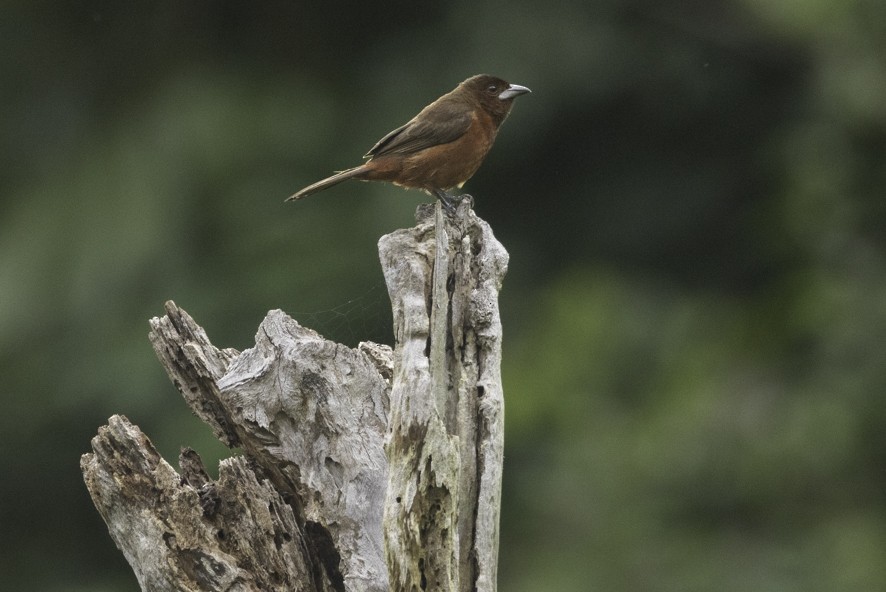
(361, 469)
(237, 534)
(310, 415)
(446, 430)
(313, 413)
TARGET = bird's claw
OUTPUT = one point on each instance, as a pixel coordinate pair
(448, 206)
(449, 201)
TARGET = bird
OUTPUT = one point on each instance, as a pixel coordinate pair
(440, 148)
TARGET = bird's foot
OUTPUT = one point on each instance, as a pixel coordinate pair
(450, 201)
(447, 200)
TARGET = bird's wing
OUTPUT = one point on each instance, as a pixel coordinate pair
(433, 126)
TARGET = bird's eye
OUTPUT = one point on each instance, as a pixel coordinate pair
(492, 88)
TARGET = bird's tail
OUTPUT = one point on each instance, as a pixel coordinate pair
(328, 182)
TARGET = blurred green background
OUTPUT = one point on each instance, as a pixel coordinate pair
(695, 311)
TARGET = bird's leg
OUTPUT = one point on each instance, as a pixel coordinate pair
(448, 201)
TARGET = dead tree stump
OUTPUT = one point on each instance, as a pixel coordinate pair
(366, 469)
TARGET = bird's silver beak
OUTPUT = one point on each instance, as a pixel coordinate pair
(514, 90)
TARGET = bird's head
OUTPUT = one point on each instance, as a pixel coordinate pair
(494, 94)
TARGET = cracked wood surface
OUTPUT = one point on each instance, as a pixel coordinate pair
(446, 432)
(361, 469)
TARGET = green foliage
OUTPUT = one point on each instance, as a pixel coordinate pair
(695, 311)
(693, 450)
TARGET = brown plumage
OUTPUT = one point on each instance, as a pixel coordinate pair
(442, 146)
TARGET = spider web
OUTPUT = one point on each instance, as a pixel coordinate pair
(366, 317)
